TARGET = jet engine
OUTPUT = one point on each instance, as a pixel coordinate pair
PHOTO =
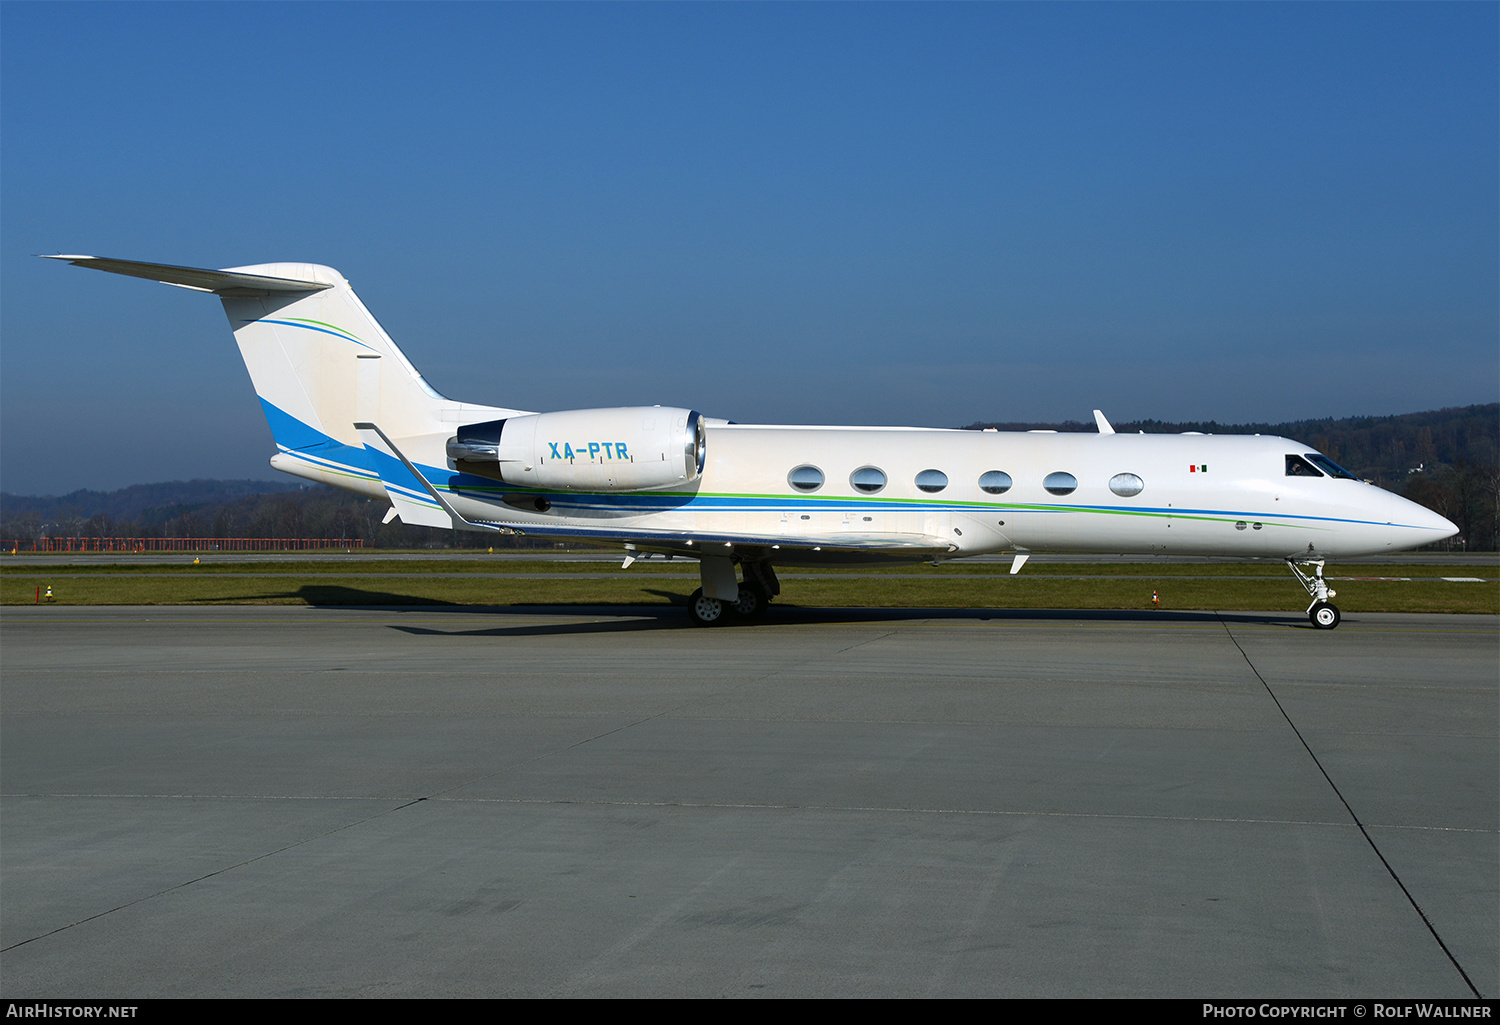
(629, 448)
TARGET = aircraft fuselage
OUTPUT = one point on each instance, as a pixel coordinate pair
(1184, 494)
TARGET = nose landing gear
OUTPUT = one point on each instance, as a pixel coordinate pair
(1322, 613)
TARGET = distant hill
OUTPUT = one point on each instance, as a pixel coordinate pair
(228, 509)
(144, 503)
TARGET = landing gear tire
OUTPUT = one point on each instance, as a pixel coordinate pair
(751, 604)
(705, 611)
(1324, 615)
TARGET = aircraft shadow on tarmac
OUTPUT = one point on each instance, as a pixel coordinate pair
(632, 618)
(329, 595)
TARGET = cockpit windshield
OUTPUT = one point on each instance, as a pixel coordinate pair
(1296, 466)
(1329, 467)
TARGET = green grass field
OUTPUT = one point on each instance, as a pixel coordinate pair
(510, 581)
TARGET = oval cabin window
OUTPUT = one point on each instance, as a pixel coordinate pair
(867, 479)
(1060, 483)
(805, 478)
(1126, 485)
(994, 482)
(932, 481)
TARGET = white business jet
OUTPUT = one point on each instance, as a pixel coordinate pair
(347, 409)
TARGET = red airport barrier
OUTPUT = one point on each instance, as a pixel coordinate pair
(181, 544)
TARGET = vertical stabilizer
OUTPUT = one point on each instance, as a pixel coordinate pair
(319, 363)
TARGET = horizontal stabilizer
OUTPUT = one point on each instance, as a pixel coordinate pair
(219, 282)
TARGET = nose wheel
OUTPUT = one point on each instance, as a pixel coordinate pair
(1322, 613)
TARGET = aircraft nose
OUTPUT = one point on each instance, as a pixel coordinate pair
(1425, 519)
(1445, 526)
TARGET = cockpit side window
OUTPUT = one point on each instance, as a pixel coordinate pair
(1296, 466)
(1329, 467)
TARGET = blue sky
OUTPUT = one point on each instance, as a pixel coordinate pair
(861, 213)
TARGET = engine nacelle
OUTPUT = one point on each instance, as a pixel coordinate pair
(629, 448)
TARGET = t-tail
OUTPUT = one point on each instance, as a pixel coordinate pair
(320, 363)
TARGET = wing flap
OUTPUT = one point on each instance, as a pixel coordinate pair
(701, 542)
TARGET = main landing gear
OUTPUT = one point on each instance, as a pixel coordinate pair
(750, 605)
(1322, 613)
(754, 595)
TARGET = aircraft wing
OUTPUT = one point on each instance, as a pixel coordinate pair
(418, 501)
(700, 543)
